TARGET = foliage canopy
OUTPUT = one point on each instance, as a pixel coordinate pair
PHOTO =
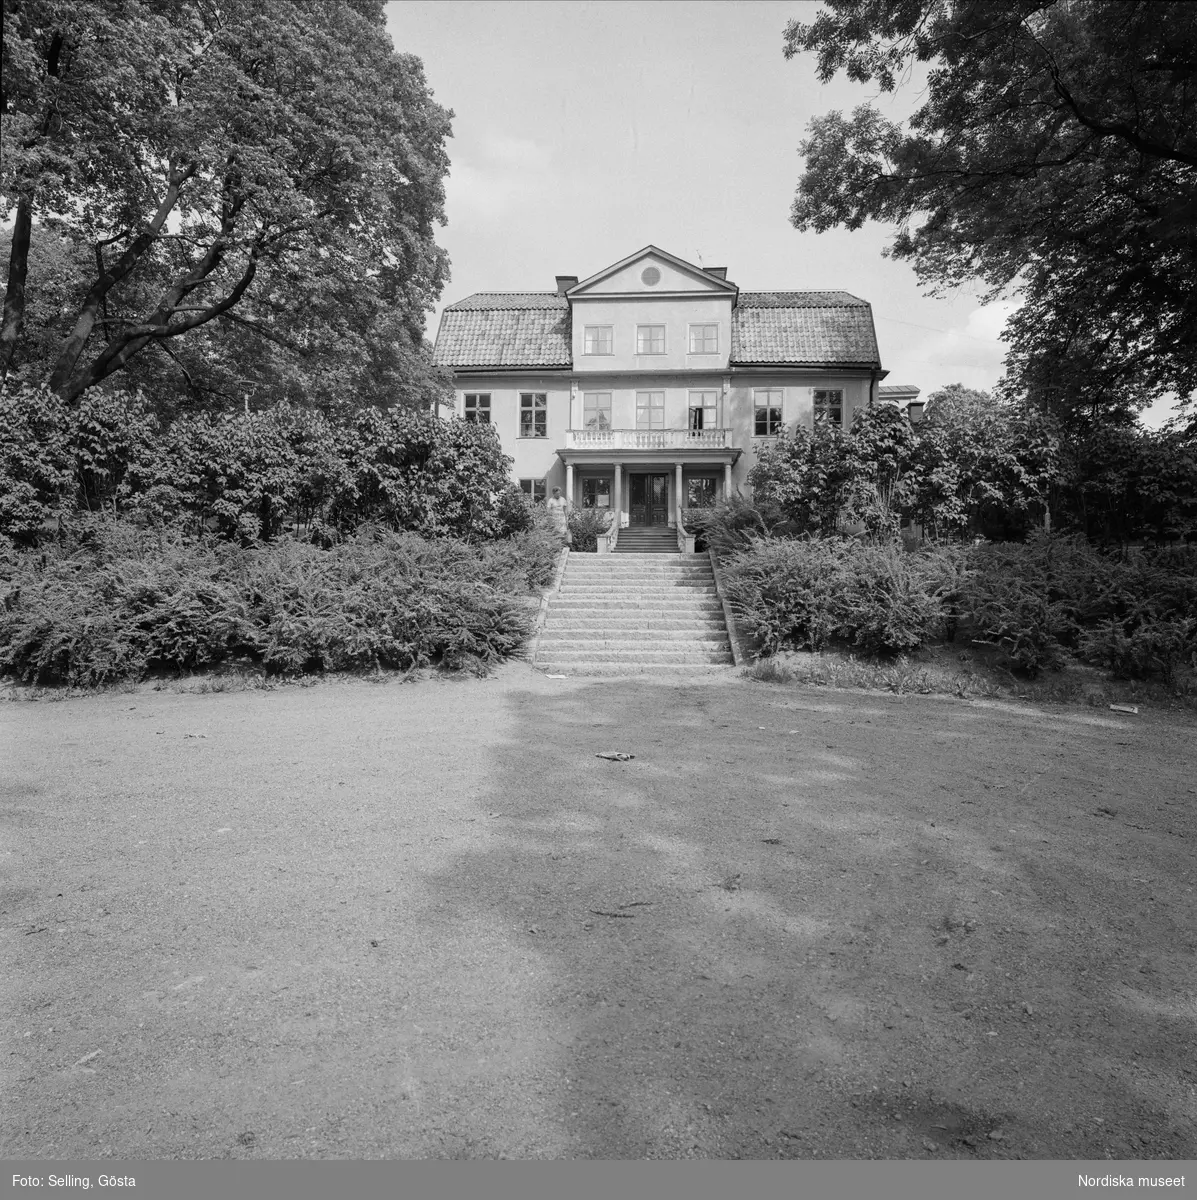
(241, 196)
(1055, 156)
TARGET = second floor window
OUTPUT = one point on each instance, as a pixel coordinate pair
(598, 339)
(534, 414)
(767, 402)
(829, 406)
(704, 339)
(596, 410)
(703, 407)
(650, 339)
(477, 407)
(650, 410)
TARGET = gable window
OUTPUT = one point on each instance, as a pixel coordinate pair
(829, 406)
(534, 414)
(598, 339)
(650, 410)
(650, 339)
(703, 407)
(477, 407)
(704, 339)
(767, 402)
(533, 489)
(596, 410)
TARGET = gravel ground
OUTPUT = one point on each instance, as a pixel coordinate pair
(425, 920)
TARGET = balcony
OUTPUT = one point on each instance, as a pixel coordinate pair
(648, 439)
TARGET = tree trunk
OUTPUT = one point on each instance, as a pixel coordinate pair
(14, 295)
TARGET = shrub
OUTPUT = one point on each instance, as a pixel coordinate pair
(586, 526)
(1139, 651)
(110, 601)
(805, 594)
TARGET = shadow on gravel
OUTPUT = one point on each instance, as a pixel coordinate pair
(800, 925)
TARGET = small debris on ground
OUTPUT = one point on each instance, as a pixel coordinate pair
(556, 676)
(615, 756)
(1125, 708)
(732, 882)
(598, 912)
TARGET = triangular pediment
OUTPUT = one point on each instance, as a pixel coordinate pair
(648, 272)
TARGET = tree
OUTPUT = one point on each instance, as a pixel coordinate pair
(248, 191)
(1055, 157)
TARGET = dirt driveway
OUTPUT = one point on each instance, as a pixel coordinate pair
(357, 920)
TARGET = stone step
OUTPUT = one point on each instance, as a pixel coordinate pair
(684, 573)
(620, 654)
(706, 639)
(605, 623)
(624, 669)
(635, 589)
(639, 608)
(578, 558)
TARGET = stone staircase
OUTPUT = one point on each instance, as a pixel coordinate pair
(658, 540)
(634, 614)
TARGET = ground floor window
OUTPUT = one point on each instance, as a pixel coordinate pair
(533, 488)
(534, 414)
(700, 492)
(596, 493)
(477, 407)
(768, 412)
(703, 410)
(829, 406)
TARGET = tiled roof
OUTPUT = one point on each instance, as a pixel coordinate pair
(803, 327)
(800, 300)
(898, 389)
(489, 300)
(532, 329)
(505, 329)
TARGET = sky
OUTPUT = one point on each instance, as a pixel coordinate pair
(584, 131)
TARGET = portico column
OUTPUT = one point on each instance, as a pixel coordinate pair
(569, 484)
(617, 499)
(726, 482)
(677, 495)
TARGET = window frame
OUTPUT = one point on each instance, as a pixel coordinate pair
(535, 490)
(640, 342)
(712, 325)
(821, 410)
(773, 425)
(588, 330)
(597, 408)
(692, 408)
(594, 486)
(707, 481)
(473, 415)
(650, 408)
(540, 429)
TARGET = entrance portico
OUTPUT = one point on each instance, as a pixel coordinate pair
(644, 476)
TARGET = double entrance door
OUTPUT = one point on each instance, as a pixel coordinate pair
(648, 499)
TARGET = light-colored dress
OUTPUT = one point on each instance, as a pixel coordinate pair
(557, 506)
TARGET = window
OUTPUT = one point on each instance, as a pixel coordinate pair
(703, 407)
(596, 410)
(700, 492)
(599, 339)
(768, 412)
(829, 407)
(650, 410)
(650, 339)
(704, 339)
(534, 414)
(477, 407)
(533, 489)
(596, 493)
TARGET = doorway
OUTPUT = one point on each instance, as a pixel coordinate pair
(648, 500)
